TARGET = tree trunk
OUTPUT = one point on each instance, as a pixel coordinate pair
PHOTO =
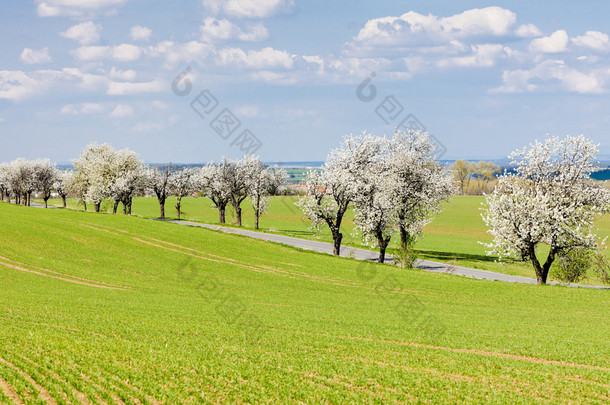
(256, 216)
(85, 204)
(178, 206)
(63, 199)
(46, 202)
(221, 214)
(383, 244)
(115, 207)
(124, 208)
(542, 271)
(129, 206)
(237, 214)
(337, 237)
(96, 206)
(162, 206)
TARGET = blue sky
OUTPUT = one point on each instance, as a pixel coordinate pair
(280, 77)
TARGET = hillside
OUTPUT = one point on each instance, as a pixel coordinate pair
(112, 308)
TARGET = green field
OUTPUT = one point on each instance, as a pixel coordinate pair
(452, 237)
(127, 310)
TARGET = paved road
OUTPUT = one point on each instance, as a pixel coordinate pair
(364, 254)
(36, 205)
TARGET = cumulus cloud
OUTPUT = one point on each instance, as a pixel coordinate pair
(119, 53)
(17, 85)
(126, 75)
(175, 53)
(266, 58)
(86, 33)
(248, 8)
(485, 55)
(31, 56)
(528, 31)
(417, 30)
(140, 33)
(77, 9)
(551, 74)
(214, 30)
(595, 40)
(555, 43)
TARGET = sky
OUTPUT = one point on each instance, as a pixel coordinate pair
(193, 81)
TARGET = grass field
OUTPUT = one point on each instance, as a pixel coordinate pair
(453, 237)
(127, 310)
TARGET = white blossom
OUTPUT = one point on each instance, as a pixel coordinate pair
(549, 200)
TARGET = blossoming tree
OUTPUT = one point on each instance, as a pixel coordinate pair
(548, 200)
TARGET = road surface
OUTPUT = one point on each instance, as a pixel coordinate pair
(364, 254)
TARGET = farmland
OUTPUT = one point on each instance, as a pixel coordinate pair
(112, 308)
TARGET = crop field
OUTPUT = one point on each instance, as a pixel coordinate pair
(102, 308)
(452, 237)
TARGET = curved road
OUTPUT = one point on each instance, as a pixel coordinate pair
(364, 254)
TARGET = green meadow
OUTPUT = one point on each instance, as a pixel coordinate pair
(102, 308)
(452, 237)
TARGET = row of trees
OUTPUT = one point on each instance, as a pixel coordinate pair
(103, 173)
(21, 178)
(232, 181)
(480, 174)
(394, 186)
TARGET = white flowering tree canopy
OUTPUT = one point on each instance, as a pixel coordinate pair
(418, 184)
(102, 172)
(331, 190)
(261, 181)
(212, 181)
(548, 200)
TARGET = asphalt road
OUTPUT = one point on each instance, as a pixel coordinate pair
(364, 254)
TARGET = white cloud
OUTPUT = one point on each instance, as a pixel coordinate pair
(555, 43)
(31, 56)
(416, 30)
(127, 88)
(595, 40)
(17, 85)
(122, 111)
(176, 53)
(266, 58)
(276, 78)
(77, 8)
(126, 75)
(552, 74)
(83, 108)
(214, 30)
(528, 31)
(139, 33)
(248, 8)
(126, 53)
(485, 55)
(86, 33)
(119, 53)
